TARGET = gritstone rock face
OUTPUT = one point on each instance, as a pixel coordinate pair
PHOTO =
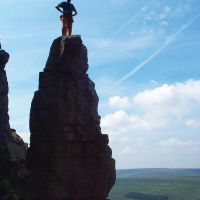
(4, 118)
(69, 158)
(4, 125)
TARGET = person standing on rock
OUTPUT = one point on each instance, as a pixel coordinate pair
(69, 11)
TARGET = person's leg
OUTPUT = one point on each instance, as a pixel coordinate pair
(65, 26)
(69, 26)
(64, 31)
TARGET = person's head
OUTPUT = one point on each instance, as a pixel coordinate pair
(0, 45)
(68, 1)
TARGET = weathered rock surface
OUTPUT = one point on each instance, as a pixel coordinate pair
(4, 130)
(69, 158)
(4, 118)
(12, 148)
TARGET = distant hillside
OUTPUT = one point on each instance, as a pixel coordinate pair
(157, 184)
(156, 172)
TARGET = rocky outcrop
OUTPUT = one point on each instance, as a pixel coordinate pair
(5, 183)
(12, 148)
(4, 118)
(69, 158)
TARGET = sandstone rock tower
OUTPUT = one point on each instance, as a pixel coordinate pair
(69, 157)
(4, 117)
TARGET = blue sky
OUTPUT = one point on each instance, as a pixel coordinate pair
(144, 59)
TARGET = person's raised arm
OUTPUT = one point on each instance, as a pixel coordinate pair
(58, 7)
(75, 12)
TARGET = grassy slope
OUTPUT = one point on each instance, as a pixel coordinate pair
(176, 184)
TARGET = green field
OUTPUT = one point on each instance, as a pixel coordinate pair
(174, 183)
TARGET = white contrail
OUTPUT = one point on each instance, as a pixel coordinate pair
(167, 42)
(120, 29)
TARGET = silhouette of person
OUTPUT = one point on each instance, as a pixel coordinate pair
(69, 11)
(4, 57)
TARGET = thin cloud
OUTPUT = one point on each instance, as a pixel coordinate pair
(168, 41)
(126, 50)
(120, 29)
